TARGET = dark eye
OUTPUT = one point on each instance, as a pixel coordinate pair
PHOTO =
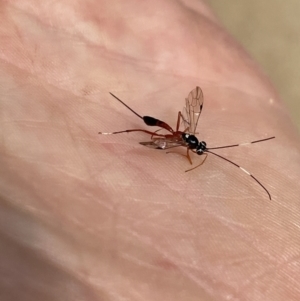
(199, 151)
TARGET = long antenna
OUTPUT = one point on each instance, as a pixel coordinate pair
(244, 170)
(134, 112)
(234, 145)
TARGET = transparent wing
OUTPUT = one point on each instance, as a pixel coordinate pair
(192, 110)
(164, 143)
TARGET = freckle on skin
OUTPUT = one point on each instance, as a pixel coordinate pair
(166, 264)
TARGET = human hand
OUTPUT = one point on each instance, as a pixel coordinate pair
(92, 217)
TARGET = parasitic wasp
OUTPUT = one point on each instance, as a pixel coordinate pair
(186, 138)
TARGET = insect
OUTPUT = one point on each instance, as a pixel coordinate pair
(175, 138)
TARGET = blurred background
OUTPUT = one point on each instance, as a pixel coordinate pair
(270, 31)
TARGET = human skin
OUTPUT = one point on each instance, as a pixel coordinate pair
(91, 217)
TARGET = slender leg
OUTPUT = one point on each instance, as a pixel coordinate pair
(187, 155)
(155, 133)
(134, 130)
(178, 121)
(198, 164)
(180, 116)
(171, 152)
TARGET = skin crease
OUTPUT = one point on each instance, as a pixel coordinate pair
(90, 217)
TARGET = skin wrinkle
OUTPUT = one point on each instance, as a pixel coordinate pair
(48, 262)
(70, 35)
(181, 265)
(58, 264)
(271, 271)
(35, 123)
(170, 230)
(34, 192)
(218, 29)
(80, 155)
(248, 241)
(164, 254)
(28, 159)
(139, 262)
(251, 244)
(234, 230)
(29, 72)
(28, 245)
(77, 222)
(114, 56)
(285, 206)
(155, 213)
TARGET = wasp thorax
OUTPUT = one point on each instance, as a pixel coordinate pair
(191, 140)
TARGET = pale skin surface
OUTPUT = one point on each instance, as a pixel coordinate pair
(90, 217)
